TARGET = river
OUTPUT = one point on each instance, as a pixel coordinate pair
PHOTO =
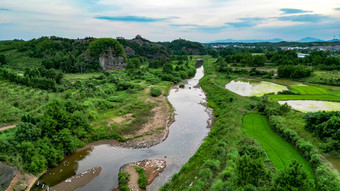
(191, 126)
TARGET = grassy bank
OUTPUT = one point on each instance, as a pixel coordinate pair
(280, 152)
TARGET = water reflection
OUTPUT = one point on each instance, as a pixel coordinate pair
(312, 105)
(252, 87)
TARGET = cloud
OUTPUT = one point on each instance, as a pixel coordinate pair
(304, 18)
(3, 9)
(200, 28)
(131, 19)
(246, 22)
(210, 29)
(184, 25)
(320, 30)
(293, 11)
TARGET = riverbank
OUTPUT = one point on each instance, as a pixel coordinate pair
(151, 133)
(78, 180)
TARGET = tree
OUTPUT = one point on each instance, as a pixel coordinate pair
(27, 132)
(103, 45)
(251, 171)
(2, 59)
(293, 178)
(55, 118)
(133, 63)
(258, 60)
(65, 141)
(167, 68)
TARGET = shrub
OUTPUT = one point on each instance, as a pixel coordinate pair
(212, 164)
(123, 179)
(295, 72)
(142, 181)
(155, 91)
(205, 174)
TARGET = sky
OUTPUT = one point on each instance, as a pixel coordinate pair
(166, 20)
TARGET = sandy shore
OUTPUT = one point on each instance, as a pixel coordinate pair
(152, 169)
(78, 180)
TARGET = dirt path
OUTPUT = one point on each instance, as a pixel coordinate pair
(7, 127)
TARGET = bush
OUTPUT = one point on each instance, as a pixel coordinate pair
(155, 91)
(2, 59)
(123, 179)
(212, 164)
(142, 181)
(205, 174)
(295, 72)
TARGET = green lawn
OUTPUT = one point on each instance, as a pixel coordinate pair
(323, 97)
(80, 76)
(280, 152)
(309, 90)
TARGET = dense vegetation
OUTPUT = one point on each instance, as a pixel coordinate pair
(227, 155)
(294, 72)
(64, 113)
(58, 97)
(326, 126)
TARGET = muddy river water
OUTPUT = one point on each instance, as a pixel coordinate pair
(188, 131)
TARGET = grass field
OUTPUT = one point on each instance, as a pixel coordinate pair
(310, 93)
(280, 152)
(309, 90)
(323, 97)
(79, 76)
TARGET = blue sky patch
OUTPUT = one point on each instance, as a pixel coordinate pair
(293, 11)
(304, 18)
